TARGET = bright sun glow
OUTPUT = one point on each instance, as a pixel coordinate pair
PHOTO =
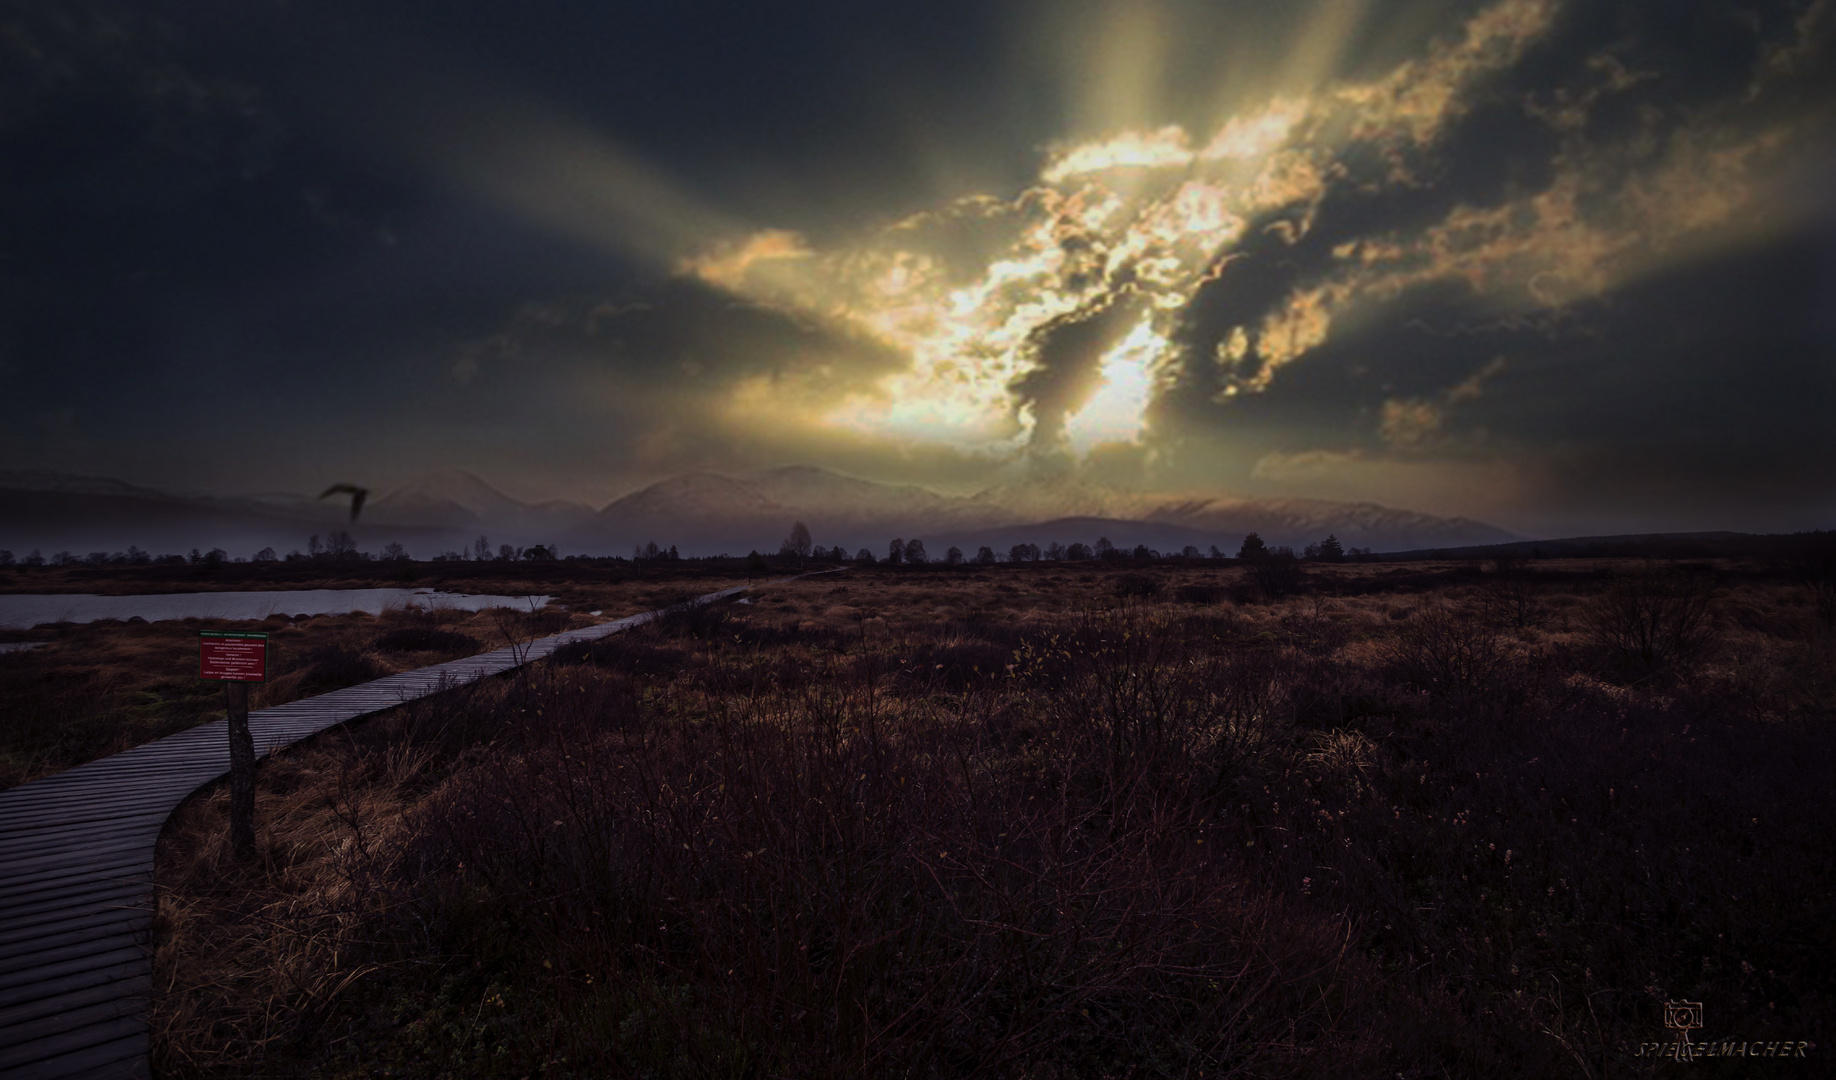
(1115, 413)
(994, 303)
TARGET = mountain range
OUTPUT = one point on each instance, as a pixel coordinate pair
(698, 513)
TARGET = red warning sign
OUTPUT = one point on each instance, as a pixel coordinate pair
(229, 656)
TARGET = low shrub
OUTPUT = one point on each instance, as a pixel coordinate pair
(425, 639)
(1652, 617)
(1199, 594)
(1137, 586)
(1448, 652)
(334, 667)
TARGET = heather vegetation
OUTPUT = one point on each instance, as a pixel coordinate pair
(1054, 820)
(94, 689)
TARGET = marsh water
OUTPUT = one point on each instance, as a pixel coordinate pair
(23, 611)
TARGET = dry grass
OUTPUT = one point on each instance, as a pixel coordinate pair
(100, 688)
(1022, 822)
(103, 687)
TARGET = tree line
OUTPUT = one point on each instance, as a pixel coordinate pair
(798, 547)
(336, 546)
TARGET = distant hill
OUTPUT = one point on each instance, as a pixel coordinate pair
(699, 513)
(707, 512)
(456, 499)
(51, 512)
(1689, 545)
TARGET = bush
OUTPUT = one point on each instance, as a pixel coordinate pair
(1137, 586)
(703, 622)
(1277, 574)
(425, 639)
(1653, 617)
(334, 667)
(1200, 594)
(1448, 653)
(1511, 594)
(1814, 568)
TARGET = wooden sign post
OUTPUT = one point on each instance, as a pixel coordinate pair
(237, 659)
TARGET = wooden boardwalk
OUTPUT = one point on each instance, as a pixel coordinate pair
(76, 867)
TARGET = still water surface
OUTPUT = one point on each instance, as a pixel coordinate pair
(27, 610)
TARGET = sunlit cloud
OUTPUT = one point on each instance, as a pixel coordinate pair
(1153, 212)
(1138, 223)
(1115, 413)
(730, 265)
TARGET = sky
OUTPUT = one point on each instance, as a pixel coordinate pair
(1563, 267)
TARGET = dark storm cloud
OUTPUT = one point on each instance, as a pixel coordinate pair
(292, 214)
(1649, 393)
(1548, 250)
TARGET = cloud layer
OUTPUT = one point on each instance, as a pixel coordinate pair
(1561, 265)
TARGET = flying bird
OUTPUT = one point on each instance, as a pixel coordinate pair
(356, 493)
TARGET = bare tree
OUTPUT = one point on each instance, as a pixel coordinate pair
(1660, 615)
(797, 543)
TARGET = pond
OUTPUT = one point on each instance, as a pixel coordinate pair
(23, 611)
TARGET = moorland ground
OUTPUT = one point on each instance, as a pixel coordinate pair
(1063, 819)
(98, 688)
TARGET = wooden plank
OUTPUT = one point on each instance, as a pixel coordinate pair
(45, 839)
(68, 848)
(87, 1038)
(86, 920)
(40, 823)
(101, 897)
(84, 892)
(132, 924)
(134, 966)
(48, 975)
(74, 1018)
(59, 869)
(84, 803)
(141, 802)
(75, 879)
(115, 990)
(22, 968)
(122, 1059)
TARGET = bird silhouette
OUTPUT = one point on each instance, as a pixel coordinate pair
(356, 493)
